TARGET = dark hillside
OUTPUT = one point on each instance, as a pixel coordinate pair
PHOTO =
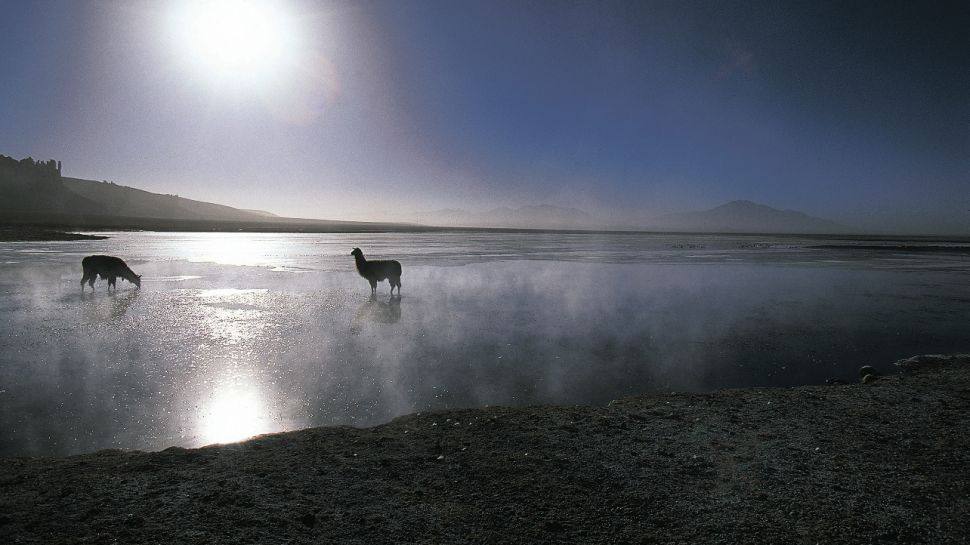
(119, 200)
(36, 192)
(34, 186)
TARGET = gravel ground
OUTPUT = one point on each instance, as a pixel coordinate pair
(881, 462)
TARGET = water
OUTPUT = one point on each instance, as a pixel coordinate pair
(238, 334)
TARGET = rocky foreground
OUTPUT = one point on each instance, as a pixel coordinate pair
(887, 461)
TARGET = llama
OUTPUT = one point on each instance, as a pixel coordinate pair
(108, 268)
(375, 271)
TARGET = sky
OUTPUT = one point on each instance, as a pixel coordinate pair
(852, 111)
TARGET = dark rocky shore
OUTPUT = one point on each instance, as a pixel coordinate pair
(39, 234)
(886, 461)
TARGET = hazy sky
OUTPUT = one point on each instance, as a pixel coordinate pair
(360, 110)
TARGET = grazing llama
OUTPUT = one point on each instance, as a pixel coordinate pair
(108, 268)
(375, 271)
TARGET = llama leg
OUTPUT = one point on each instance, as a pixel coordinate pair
(83, 280)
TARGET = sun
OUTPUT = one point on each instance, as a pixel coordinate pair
(235, 39)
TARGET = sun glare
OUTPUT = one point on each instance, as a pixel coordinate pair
(241, 39)
(234, 413)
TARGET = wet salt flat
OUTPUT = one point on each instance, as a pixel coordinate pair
(237, 334)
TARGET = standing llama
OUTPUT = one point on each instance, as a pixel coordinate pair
(375, 271)
(108, 268)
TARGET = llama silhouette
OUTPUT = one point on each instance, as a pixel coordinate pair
(376, 271)
(108, 268)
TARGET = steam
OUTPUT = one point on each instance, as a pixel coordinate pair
(215, 352)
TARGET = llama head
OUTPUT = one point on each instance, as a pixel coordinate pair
(136, 280)
(357, 253)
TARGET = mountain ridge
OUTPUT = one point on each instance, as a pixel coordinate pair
(744, 216)
(36, 191)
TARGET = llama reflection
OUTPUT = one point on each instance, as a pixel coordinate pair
(377, 311)
(121, 304)
(105, 306)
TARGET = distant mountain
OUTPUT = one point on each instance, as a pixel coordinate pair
(525, 217)
(745, 217)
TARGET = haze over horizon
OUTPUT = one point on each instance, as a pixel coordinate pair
(365, 111)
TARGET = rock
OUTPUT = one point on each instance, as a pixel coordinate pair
(869, 378)
(867, 370)
(930, 360)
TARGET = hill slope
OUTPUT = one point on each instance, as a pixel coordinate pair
(29, 187)
(119, 200)
(36, 186)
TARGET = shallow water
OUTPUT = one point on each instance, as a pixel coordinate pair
(237, 334)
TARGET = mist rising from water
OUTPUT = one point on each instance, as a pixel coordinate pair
(209, 352)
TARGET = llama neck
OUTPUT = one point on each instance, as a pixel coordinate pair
(360, 261)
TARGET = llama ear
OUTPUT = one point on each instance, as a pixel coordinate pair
(138, 275)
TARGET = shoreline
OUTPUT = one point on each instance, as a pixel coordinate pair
(878, 462)
(62, 222)
(40, 234)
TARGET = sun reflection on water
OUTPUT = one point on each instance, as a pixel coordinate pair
(234, 413)
(241, 249)
(232, 316)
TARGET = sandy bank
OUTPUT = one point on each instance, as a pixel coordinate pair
(883, 462)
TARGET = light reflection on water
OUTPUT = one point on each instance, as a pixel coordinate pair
(219, 349)
(234, 412)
